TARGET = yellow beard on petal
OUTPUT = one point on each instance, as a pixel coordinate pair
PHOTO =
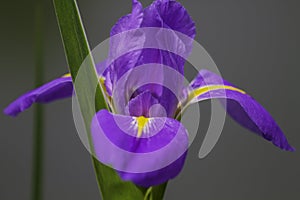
(102, 83)
(67, 75)
(199, 91)
(141, 123)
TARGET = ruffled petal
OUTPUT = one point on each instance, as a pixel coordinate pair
(130, 21)
(57, 89)
(122, 55)
(173, 47)
(169, 14)
(147, 151)
(160, 14)
(240, 106)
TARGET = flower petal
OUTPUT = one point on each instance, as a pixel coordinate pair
(166, 98)
(122, 55)
(141, 104)
(164, 83)
(57, 89)
(160, 14)
(172, 49)
(169, 14)
(156, 177)
(130, 21)
(240, 106)
(141, 149)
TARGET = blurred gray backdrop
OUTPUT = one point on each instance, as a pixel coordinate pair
(254, 43)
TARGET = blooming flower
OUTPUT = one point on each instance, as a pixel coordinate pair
(133, 122)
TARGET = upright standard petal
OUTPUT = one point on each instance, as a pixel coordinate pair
(122, 55)
(240, 106)
(173, 48)
(147, 151)
(57, 89)
(130, 21)
(171, 15)
(160, 14)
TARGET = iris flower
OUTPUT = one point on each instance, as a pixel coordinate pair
(137, 120)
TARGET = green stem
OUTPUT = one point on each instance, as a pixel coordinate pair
(158, 191)
(148, 195)
(37, 165)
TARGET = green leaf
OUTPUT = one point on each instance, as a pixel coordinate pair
(38, 134)
(77, 51)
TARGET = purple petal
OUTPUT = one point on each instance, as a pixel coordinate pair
(169, 14)
(140, 157)
(141, 104)
(241, 107)
(160, 14)
(125, 43)
(156, 177)
(164, 83)
(130, 21)
(57, 89)
(160, 95)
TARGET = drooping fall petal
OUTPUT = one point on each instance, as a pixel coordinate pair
(57, 89)
(140, 148)
(240, 106)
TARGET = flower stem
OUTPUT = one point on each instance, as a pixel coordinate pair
(37, 164)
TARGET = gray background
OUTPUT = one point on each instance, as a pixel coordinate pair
(255, 45)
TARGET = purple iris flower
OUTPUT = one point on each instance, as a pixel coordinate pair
(152, 108)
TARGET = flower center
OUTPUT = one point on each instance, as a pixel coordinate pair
(141, 123)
